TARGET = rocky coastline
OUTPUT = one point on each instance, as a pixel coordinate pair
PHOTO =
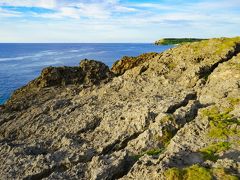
(173, 115)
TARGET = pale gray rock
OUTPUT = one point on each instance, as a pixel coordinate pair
(89, 123)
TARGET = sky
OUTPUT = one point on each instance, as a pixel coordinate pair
(86, 21)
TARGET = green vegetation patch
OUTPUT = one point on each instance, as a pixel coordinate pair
(154, 152)
(174, 174)
(168, 118)
(167, 136)
(234, 101)
(172, 41)
(221, 123)
(220, 173)
(169, 130)
(197, 172)
(227, 43)
(171, 65)
(151, 152)
(210, 152)
(190, 173)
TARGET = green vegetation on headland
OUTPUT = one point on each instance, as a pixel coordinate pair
(171, 41)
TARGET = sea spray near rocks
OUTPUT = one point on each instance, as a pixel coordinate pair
(168, 115)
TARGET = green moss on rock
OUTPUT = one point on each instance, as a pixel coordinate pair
(154, 152)
(168, 118)
(220, 173)
(169, 129)
(150, 152)
(174, 174)
(197, 172)
(234, 101)
(194, 172)
(167, 136)
(211, 152)
(221, 123)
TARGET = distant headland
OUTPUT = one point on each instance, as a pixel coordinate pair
(171, 41)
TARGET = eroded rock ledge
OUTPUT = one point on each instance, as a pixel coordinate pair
(173, 115)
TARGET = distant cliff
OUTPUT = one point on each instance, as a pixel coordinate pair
(173, 115)
(172, 41)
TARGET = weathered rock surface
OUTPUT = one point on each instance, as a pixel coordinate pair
(88, 73)
(126, 63)
(174, 115)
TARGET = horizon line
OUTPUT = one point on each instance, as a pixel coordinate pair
(76, 42)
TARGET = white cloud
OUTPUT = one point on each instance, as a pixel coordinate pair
(68, 12)
(99, 9)
(49, 4)
(93, 10)
(215, 5)
(153, 6)
(8, 13)
(113, 20)
(73, 9)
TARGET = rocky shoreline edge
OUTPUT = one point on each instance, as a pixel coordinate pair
(171, 115)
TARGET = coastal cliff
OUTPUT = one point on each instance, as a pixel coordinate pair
(173, 115)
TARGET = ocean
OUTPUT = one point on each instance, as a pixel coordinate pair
(20, 63)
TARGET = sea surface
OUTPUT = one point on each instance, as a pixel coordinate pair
(20, 63)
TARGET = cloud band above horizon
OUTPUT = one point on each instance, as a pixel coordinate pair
(115, 20)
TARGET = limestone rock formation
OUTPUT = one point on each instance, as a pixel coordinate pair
(173, 115)
(88, 73)
(126, 63)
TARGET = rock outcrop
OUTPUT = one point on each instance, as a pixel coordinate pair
(173, 115)
(88, 73)
(126, 63)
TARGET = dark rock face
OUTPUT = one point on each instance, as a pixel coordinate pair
(94, 71)
(172, 115)
(126, 63)
(60, 76)
(89, 71)
(1, 107)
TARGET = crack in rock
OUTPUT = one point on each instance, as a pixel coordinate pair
(206, 70)
(184, 102)
(90, 127)
(119, 145)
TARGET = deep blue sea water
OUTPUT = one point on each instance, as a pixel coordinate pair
(20, 63)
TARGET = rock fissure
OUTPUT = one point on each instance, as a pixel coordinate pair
(206, 71)
(90, 127)
(184, 102)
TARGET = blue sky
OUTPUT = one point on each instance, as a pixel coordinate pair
(116, 20)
